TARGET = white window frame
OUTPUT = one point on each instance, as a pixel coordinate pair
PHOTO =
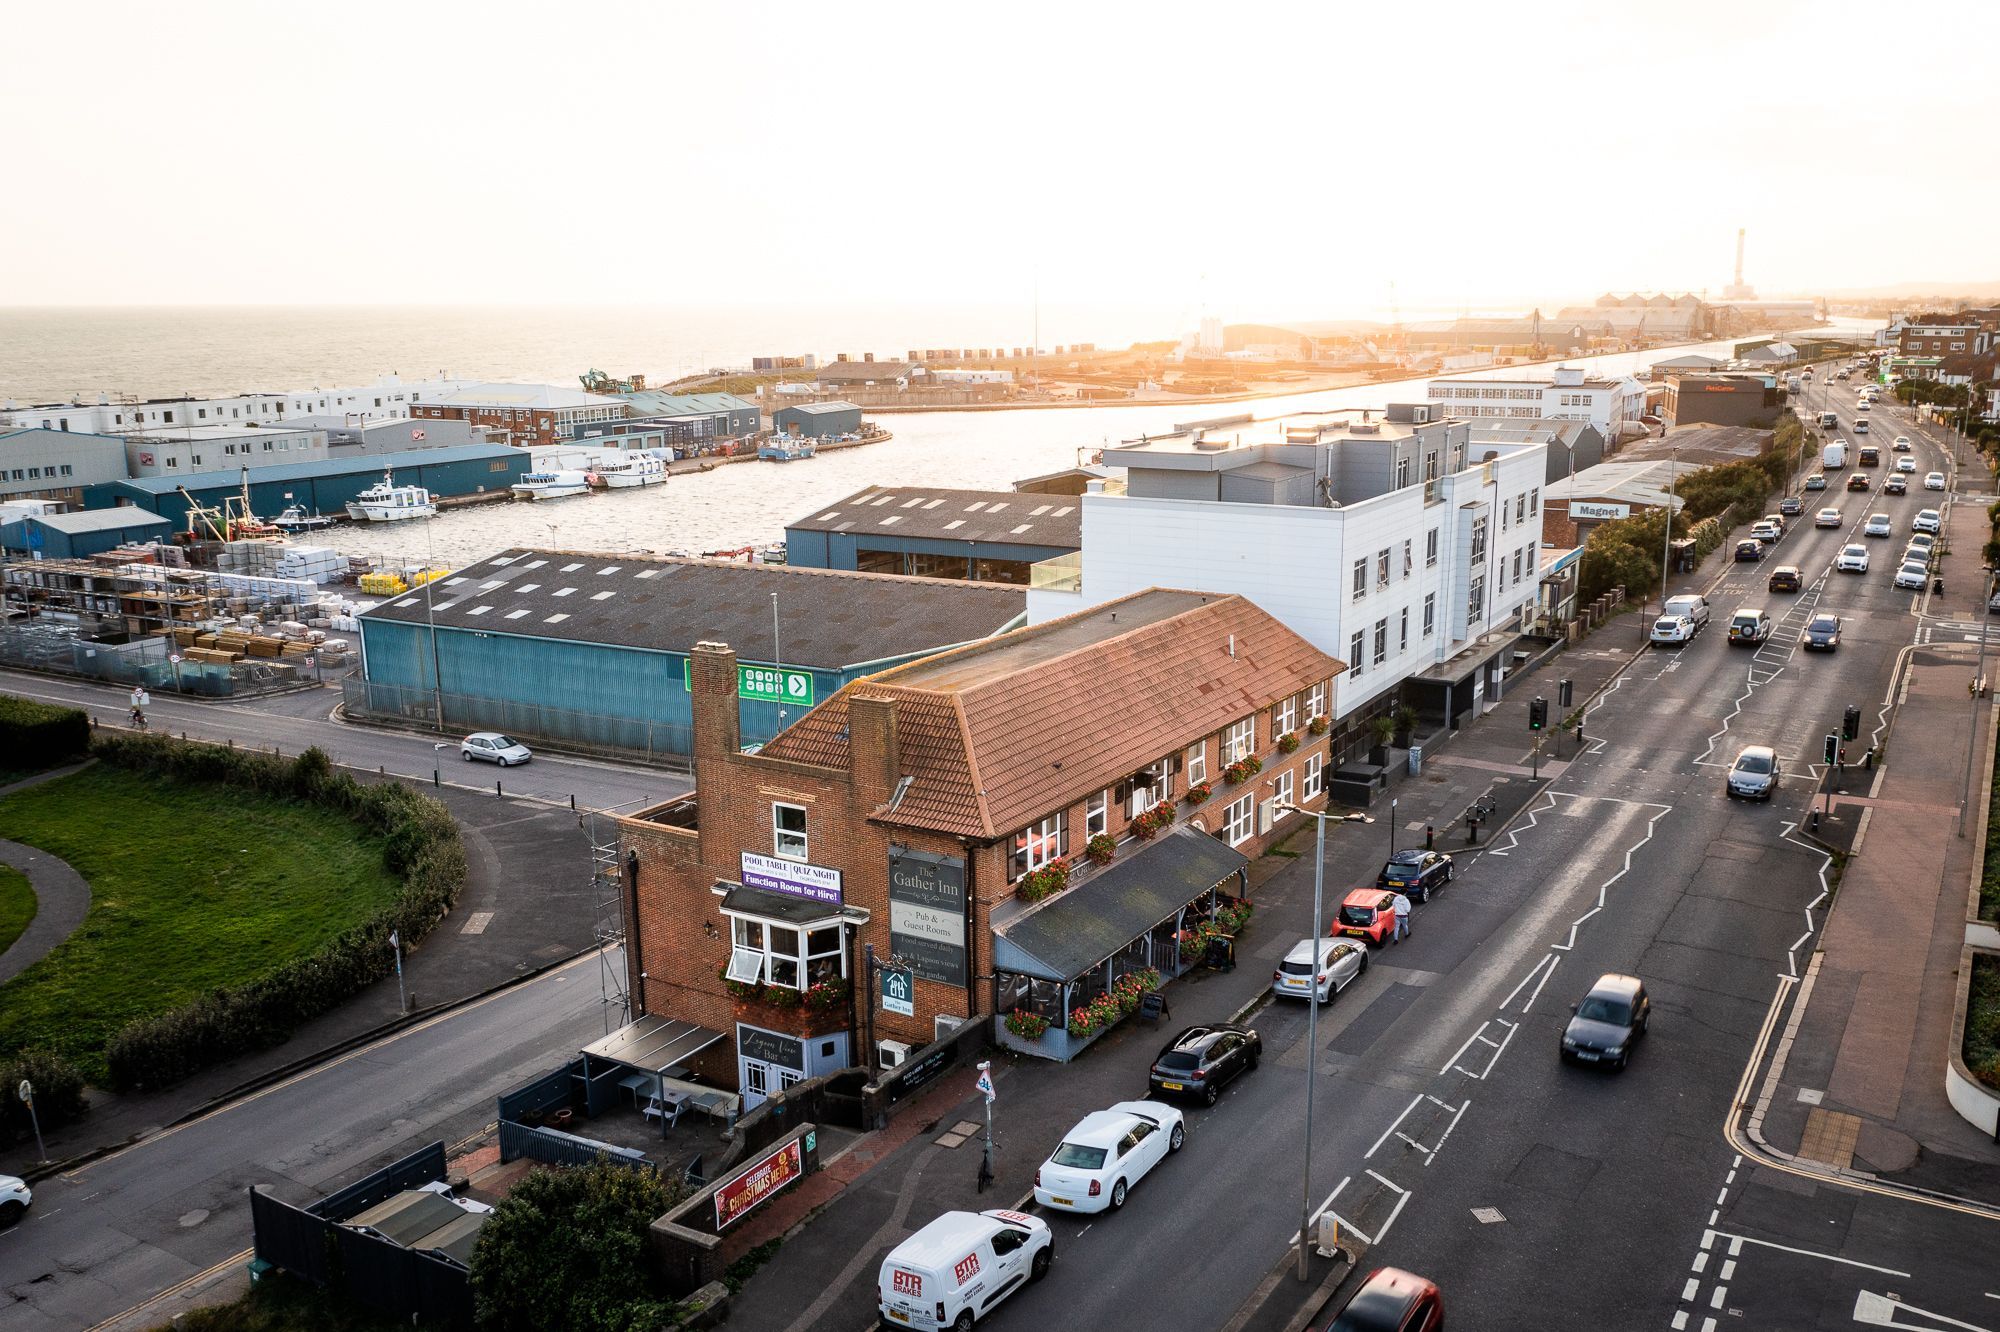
(1285, 716)
(783, 838)
(1142, 797)
(1097, 814)
(1430, 613)
(1357, 651)
(1479, 531)
(1381, 640)
(1197, 763)
(1239, 820)
(1475, 600)
(1360, 580)
(1315, 773)
(1239, 742)
(1431, 548)
(1039, 844)
(1316, 701)
(1281, 787)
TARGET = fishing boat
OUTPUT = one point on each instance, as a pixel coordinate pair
(387, 502)
(554, 483)
(633, 469)
(296, 519)
(787, 448)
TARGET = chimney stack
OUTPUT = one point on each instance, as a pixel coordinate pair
(872, 747)
(718, 721)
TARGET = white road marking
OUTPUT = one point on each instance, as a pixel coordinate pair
(1461, 1050)
(1736, 1243)
(1728, 1270)
(1881, 1310)
(1721, 1294)
(1393, 1126)
(1326, 1207)
(1692, 1289)
(1700, 1263)
(1680, 1320)
(1539, 964)
(1443, 1137)
(1538, 987)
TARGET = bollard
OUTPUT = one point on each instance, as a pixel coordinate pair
(496, 788)
(572, 802)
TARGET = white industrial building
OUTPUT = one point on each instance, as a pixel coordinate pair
(1614, 406)
(384, 399)
(1396, 545)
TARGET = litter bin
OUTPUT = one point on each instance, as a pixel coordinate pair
(1416, 760)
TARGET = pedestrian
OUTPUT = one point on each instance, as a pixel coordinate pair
(1430, 838)
(1402, 917)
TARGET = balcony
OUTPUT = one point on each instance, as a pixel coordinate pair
(1063, 573)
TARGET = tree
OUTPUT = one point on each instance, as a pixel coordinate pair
(567, 1248)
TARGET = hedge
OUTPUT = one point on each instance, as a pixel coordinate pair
(35, 735)
(422, 848)
(58, 1094)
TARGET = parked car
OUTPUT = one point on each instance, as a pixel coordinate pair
(1691, 605)
(960, 1267)
(1319, 969)
(1852, 559)
(1913, 576)
(1416, 872)
(1828, 518)
(1791, 506)
(1857, 481)
(1392, 1300)
(1785, 578)
(1927, 520)
(1822, 633)
(1933, 480)
(493, 747)
(1993, 603)
(1749, 627)
(1896, 485)
(1923, 541)
(1608, 1023)
(1366, 913)
(15, 1199)
(1902, 444)
(1672, 631)
(1906, 464)
(1201, 1061)
(1749, 551)
(1107, 1153)
(1877, 526)
(1755, 774)
(1817, 481)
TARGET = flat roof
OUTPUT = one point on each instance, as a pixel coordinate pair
(99, 520)
(829, 618)
(821, 408)
(541, 397)
(299, 471)
(1002, 517)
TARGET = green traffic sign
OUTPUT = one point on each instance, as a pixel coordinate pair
(763, 684)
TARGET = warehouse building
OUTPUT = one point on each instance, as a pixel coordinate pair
(592, 650)
(531, 414)
(58, 464)
(816, 420)
(986, 536)
(73, 536)
(728, 415)
(324, 487)
(194, 449)
(1731, 400)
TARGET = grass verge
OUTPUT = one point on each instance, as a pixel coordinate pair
(1982, 1021)
(17, 905)
(279, 1303)
(194, 886)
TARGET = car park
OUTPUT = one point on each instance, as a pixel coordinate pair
(1822, 633)
(1366, 913)
(1896, 485)
(1108, 1152)
(1857, 481)
(959, 1267)
(1201, 1061)
(1906, 465)
(1902, 444)
(493, 747)
(1785, 578)
(1877, 525)
(1791, 506)
(1416, 872)
(1672, 631)
(1852, 559)
(1392, 1300)
(1749, 627)
(1608, 1023)
(1933, 480)
(1767, 532)
(1828, 518)
(1749, 551)
(15, 1199)
(1927, 520)
(1755, 774)
(1912, 576)
(1691, 605)
(1817, 481)
(1319, 969)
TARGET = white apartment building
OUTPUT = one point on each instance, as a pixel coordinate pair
(1614, 406)
(387, 398)
(1397, 546)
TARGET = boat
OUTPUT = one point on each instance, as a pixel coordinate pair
(387, 502)
(633, 469)
(787, 448)
(555, 483)
(296, 519)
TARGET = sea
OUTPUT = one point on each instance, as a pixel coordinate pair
(54, 354)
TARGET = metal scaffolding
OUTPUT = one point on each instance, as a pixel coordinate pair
(607, 881)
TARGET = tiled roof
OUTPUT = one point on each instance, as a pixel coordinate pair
(999, 733)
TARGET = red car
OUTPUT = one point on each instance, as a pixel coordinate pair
(1392, 1300)
(1367, 913)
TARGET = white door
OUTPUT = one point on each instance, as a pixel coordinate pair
(754, 1076)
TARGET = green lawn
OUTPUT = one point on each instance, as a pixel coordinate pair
(17, 905)
(192, 886)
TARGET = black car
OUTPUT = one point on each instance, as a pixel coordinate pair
(1822, 633)
(1608, 1023)
(1201, 1060)
(1791, 506)
(1749, 551)
(1416, 872)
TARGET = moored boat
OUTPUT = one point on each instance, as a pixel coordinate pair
(559, 483)
(296, 519)
(387, 502)
(632, 469)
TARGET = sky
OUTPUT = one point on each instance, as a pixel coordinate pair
(1315, 160)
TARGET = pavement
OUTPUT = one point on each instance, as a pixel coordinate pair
(62, 898)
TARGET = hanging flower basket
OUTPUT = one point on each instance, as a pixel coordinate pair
(1242, 770)
(1288, 743)
(1199, 792)
(1319, 725)
(1153, 820)
(1046, 882)
(1100, 849)
(1028, 1026)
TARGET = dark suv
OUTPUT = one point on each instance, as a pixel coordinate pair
(1200, 1060)
(1417, 872)
(1608, 1023)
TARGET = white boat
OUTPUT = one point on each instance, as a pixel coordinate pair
(555, 484)
(296, 519)
(387, 502)
(632, 469)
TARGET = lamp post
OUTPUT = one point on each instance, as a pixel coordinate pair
(1667, 537)
(1312, 1033)
(437, 761)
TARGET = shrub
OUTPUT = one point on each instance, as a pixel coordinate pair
(35, 735)
(1982, 1022)
(58, 1094)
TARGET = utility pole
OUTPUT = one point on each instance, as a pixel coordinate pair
(1312, 1037)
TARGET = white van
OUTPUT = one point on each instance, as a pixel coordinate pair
(956, 1269)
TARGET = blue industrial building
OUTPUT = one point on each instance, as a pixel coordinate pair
(72, 536)
(325, 486)
(817, 420)
(592, 649)
(988, 536)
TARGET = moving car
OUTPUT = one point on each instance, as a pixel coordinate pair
(1392, 1300)
(1791, 506)
(493, 747)
(1913, 575)
(1672, 631)
(1870, 456)
(1876, 526)
(1749, 551)
(1785, 578)
(1319, 969)
(1828, 518)
(1933, 480)
(1852, 559)
(1861, 424)
(1416, 872)
(1691, 605)
(1902, 444)
(1906, 464)
(1609, 1021)
(1896, 485)
(1749, 627)
(1766, 531)
(1927, 520)
(1366, 913)
(1755, 774)
(1822, 633)
(1776, 520)
(960, 1266)
(1202, 1060)
(15, 1198)
(1106, 1154)
(1857, 481)
(1817, 481)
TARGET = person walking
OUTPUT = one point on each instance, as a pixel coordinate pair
(1402, 917)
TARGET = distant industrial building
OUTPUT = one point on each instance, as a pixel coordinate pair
(1614, 406)
(73, 536)
(817, 420)
(592, 649)
(693, 415)
(1735, 400)
(191, 449)
(868, 374)
(531, 414)
(386, 397)
(324, 486)
(987, 536)
(54, 465)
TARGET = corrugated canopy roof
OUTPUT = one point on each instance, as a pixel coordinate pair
(1005, 517)
(99, 520)
(300, 471)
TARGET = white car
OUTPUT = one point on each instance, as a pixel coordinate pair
(1766, 532)
(15, 1196)
(1902, 444)
(1927, 520)
(1106, 1154)
(1876, 526)
(493, 747)
(1913, 576)
(1932, 480)
(1920, 545)
(1690, 604)
(1322, 968)
(1906, 464)
(1827, 518)
(1852, 559)
(1672, 630)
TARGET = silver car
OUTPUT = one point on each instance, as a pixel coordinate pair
(1756, 773)
(15, 1197)
(493, 747)
(1319, 969)
(1913, 575)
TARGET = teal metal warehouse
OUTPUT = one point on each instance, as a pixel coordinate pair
(591, 650)
(72, 536)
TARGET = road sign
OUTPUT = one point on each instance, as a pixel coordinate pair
(26, 1091)
(899, 991)
(985, 1083)
(764, 684)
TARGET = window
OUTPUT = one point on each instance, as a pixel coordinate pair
(1097, 814)
(1316, 701)
(1402, 472)
(1479, 539)
(1236, 820)
(1285, 716)
(755, 1079)
(1356, 652)
(1520, 508)
(1503, 515)
(1281, 789)
(1038, 844)
(1197, 763)
(1409, 558)
(1475, 604)
(1315, 771)
(1430, 548)
(1501, 586)
(788, 831)
(1430, 465)
(1535, 501)
(1430, 613)
(1240, 740)
(1517, 562)
(1381, 641)
(1360, 579)
(195, 461)
(1149, 788)
(1403, 636)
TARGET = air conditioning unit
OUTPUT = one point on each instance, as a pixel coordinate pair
(944, 1025)
(891, 1054)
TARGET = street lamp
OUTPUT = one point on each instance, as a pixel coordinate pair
(1312, 1027)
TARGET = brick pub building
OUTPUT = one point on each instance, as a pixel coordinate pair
(907, 812)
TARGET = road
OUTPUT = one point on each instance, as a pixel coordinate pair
(111, 1234)
(295, 722)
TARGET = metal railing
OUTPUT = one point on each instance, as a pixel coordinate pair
(60, 649)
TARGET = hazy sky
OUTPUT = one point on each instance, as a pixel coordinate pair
(1258, 160)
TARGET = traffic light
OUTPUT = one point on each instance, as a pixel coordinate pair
(1832, 748)
(1538, 714)
(1563, 694)
(1850, 725)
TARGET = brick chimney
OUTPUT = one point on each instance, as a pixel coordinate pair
(871, 729)
(718, 724)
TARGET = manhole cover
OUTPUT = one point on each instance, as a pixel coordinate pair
(189, 1220)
